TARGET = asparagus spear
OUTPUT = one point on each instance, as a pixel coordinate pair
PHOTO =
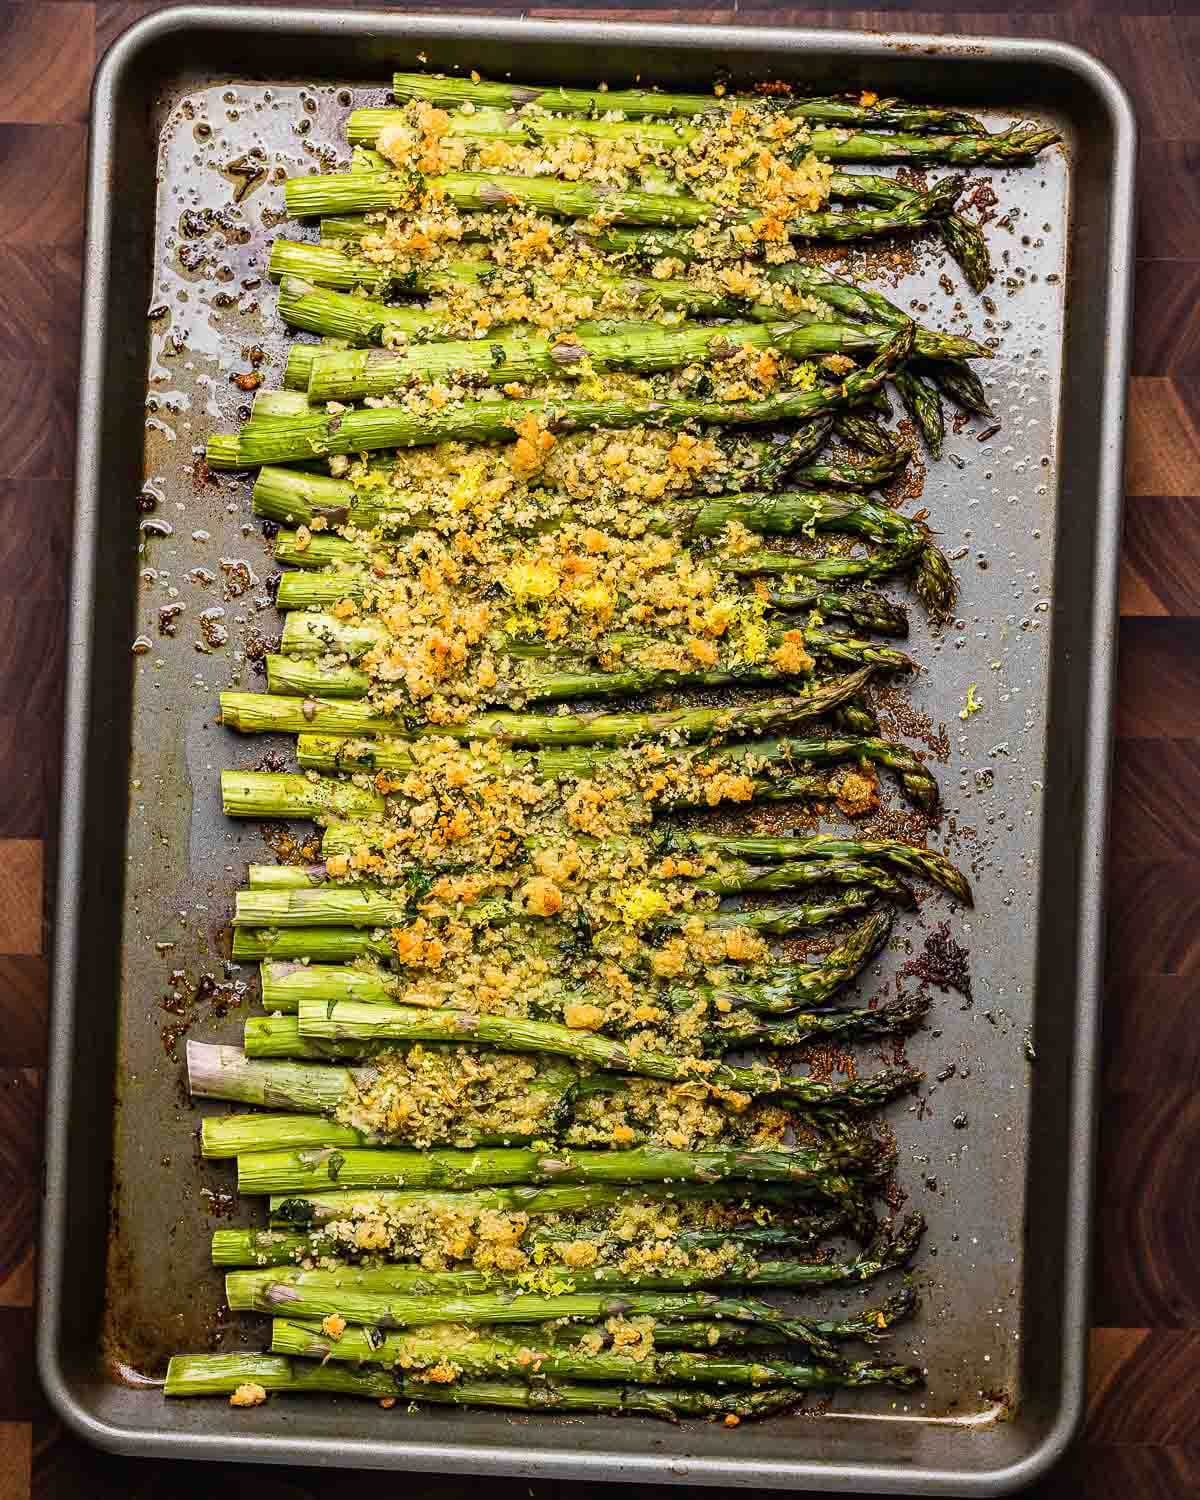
(375, 190)
(532, 1359)
(872, 1325)
(301, 677)
(263, 794)
(637, 104)
(349, 1021)
(261, 713)
(293, 497)
(865, 433)
(261, 1248)
(926, 864)
(1019, 144)
(791, 988)
(776, 769)
(810, 1171)
(225, 1073)
(966, 244)
(286, 983)
(368, 321)
(306, 436)
(924, 405)
(514, 1112)
(290, 497)
(353, 907)
(864, 608)
(537, 680)
(958, 381)
(318, 752)
(366, 1289)
(326, 1208)
(734, 877)
(223, 1374)
(352, 374)
(357, 319)
(798, 1233)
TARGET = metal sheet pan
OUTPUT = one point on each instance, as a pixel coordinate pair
(147, 860)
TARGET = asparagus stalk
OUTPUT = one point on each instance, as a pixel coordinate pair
(292, 497)
(353, 907)
(865, 609)
(958, 381)
(357, 319)
(364, 1290)
(735, 877)
(263, 794)
(261, 1248)
(533, 1359)
(1019, 144)
(323, 266)
(284, 440)
(966, 244)
(318, 944)
(372, 190)
(307, 1093)
(872, 1326)
(924, 405)
(302, 677)
(223, 1374)
(348, 1021)
(320, 1209)
(811, 1172)
(790, 989)
(926, 864)
(776, 768)
(330, 266)
(286, 983)
(798, 1233)
(222, 1137)
(352, 374)
(962, 238)
(539, 674)
(285, 795)
(638, 104)
(361, 321)
(262, 713)
(264, 1076)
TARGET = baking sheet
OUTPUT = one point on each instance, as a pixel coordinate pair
(198, 618)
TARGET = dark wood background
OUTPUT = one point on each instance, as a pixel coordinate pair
(1143, 1431)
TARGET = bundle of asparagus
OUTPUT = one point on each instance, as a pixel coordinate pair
(521, 1063)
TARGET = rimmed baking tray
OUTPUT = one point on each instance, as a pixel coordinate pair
(175, 298)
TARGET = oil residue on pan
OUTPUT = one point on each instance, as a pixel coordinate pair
(206, 617)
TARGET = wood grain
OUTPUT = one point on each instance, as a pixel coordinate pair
(1160, 557)
(16, 1460)
(1156, 784)
(37, 433)
(1150, 1033)
(1147, 1220)
(24, 999)
(1142, 1441)
(41, 184)
(48, 51)
(1158, 680)
(20, 896)
(1163, 453)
